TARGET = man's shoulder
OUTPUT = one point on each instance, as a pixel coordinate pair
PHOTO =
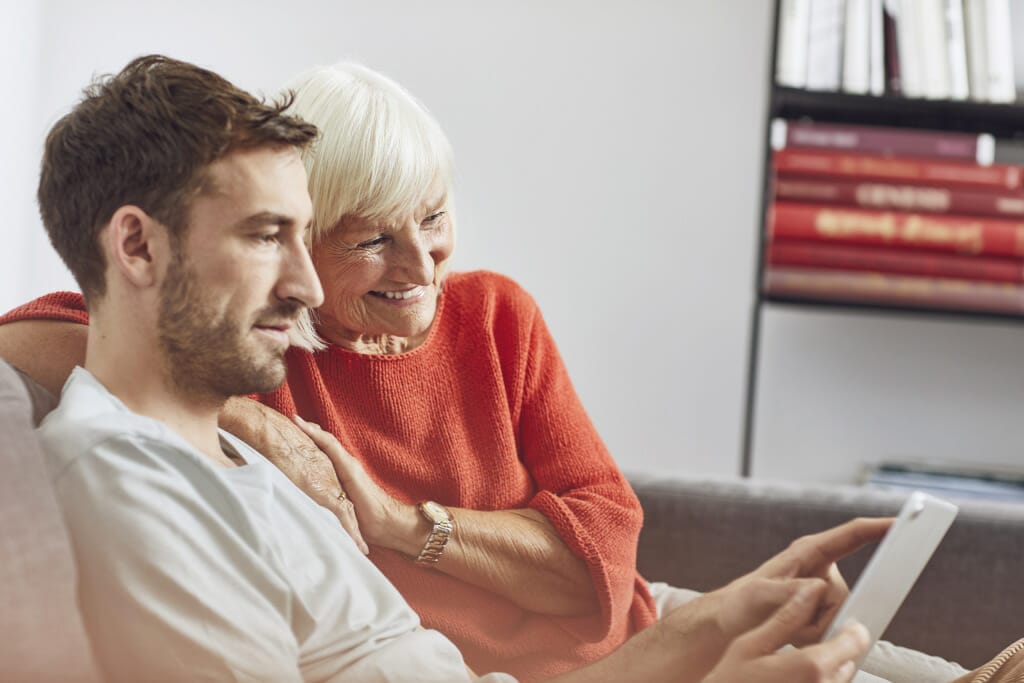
(89, 418)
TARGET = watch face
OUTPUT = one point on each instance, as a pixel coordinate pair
(435, 512)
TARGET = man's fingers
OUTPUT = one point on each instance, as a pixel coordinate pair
(841, 650)
(786, 622)
(838, 542)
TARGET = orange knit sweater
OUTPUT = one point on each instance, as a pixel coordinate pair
(483, 416)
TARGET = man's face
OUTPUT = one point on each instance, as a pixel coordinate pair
(240, 276)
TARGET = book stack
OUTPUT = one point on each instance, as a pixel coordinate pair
(936, 49)
(949, 480)
(895, 216)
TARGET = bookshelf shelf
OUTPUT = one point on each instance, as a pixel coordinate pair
(846, 307)
(1004, 122)
(1000, 120)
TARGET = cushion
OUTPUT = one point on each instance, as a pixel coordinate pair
(43, 637)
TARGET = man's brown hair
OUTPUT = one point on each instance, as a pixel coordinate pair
(145, 137)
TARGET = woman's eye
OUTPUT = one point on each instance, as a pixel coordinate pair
(268, 237)
(375, 242)
(433, 218)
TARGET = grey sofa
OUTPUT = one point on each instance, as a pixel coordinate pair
(968, 604)
(698, 534)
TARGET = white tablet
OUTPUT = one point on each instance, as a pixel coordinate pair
(896, 564)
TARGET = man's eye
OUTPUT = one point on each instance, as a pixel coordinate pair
(375, 242)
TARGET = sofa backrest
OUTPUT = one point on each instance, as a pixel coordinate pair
(43, 637)
(700, 533)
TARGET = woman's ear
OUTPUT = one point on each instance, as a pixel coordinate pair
(135, 245)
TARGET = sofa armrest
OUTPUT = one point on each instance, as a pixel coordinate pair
(702, 532)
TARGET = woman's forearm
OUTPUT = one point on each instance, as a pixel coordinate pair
(514, 553)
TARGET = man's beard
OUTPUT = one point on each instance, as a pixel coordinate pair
(213, 357)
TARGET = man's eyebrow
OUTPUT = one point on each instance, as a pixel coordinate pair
(264, 218)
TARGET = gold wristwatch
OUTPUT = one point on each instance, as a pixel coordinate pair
(443, 522)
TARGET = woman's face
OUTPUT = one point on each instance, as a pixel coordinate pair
(380, 276)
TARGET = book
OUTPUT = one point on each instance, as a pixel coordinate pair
(857, 47)
(891, 51)
(876, 48)
(892, 289)
(791, 43)
(997, 484)
(886, 260)
(825, 45)
(883, 140)
(956, 49)
(990, 50)
(914, 170)
(909, 29)
(975, 29)
(897, 196)
(999, 43)
(933, 49)
(948, 233)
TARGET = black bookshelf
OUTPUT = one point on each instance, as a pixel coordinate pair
(998, 120)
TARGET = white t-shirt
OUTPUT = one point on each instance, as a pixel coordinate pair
(193, 572)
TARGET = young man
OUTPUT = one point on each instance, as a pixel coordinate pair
(179, 203)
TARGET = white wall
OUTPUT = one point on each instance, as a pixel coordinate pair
(609, 159)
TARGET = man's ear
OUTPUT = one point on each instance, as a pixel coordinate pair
(137, 245)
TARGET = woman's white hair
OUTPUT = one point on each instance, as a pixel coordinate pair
(378, 152)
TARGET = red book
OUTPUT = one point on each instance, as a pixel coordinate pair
(840, 225)
(888, 260)
(881, 195)
(901, 290)
(905, 142)
(868, 167)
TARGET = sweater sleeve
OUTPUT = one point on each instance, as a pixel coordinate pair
(581, 490)
(64, 306)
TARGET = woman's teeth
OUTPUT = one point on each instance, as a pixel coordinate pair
(407, 294)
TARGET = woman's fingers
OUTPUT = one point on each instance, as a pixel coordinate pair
(345, 511)
(342, 506)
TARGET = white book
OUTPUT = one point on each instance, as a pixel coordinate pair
(956, 50)
(975, 25)
(857, 47)
(933, 49)
(825, 45)
(876, 48)
(908, 35)
(791, 43)
(1001, 84)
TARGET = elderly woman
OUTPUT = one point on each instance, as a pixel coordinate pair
(468, 467)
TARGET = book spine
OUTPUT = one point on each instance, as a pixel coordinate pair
(1001, 84)
(876, 48)
(956, 49)
(900, 261)
(934, 51)
(856, 47)
(891, 196)
(825, 45)
(903, 290)
(951, 173)
(890, 34)
(910, 29)
(791, 43)
(883, 140)
(975, 29)
(956, 234)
